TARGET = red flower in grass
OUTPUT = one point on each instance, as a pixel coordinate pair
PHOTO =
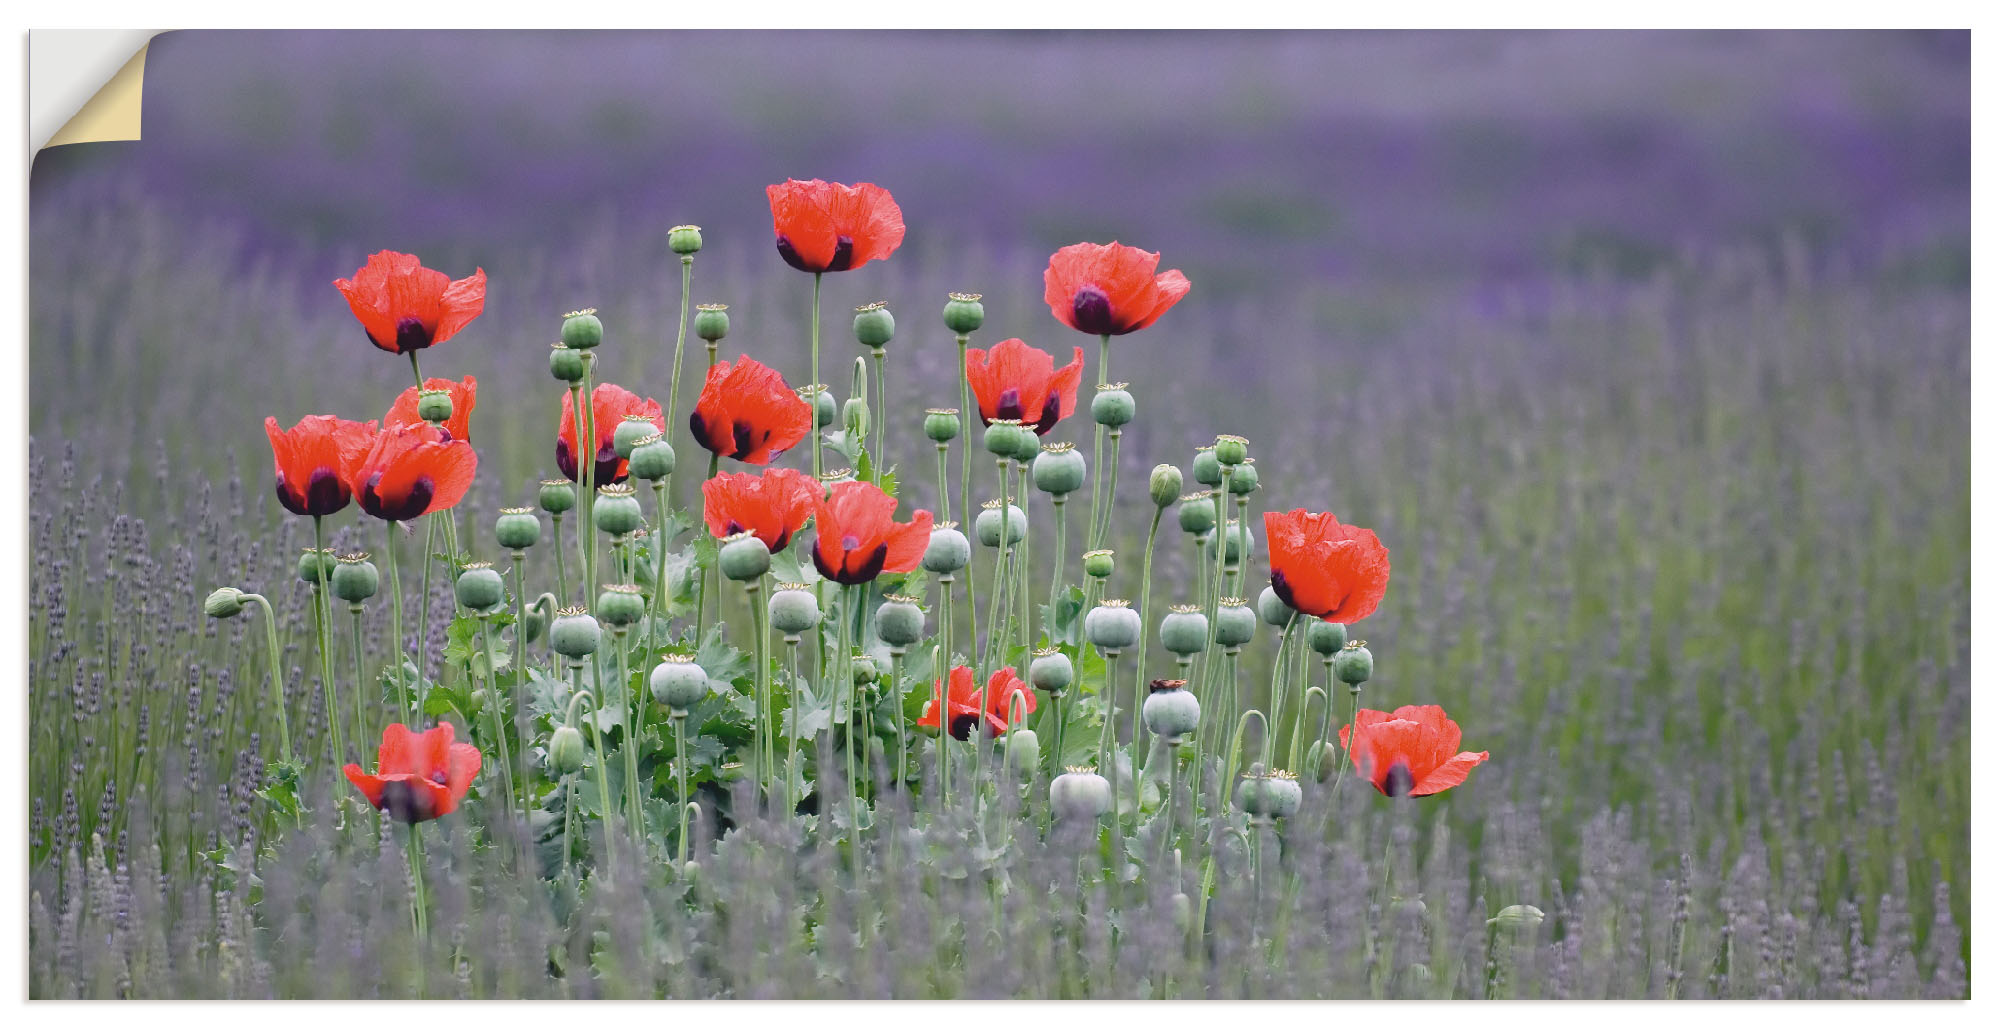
(1323, 568)
(1107, 289)
(405, 306)
(609, 405)
(315, 461)
(857, 537)
(773, 504)
(832, 227)
(747, 412)
(464, 396)
(413, 470)
(1015, 380)
(962, 705)
(418, 776)
(1411, 751)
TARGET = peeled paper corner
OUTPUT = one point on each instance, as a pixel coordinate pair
(86, 86)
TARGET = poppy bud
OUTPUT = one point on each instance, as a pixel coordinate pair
(566, 364)
(948, 550)
(621, 604)
(315, 563)
(1003, 437)
(824, 411)
(941, 424)
(1165, 485)
(1113, 405)
(744, 557)
(575, 633)
(1326, 638)
(1231, 450)
(1024, 752)
(711, 321)
(963, 313)
(1320, 759)
(566, 749)
(1354, 664)
(1099, 564)
(1235, 624)
(987, 525)
(535, 622)
(1112, 626)
(517, 528)
(684, 240)
(355, 579)
(854, 417)
(1207, 470)
(1517, 917)
(1183, 913)
(899, 621)
(475, 701)
(480, 588)
(226, 602)
(678, 682)
(434, 405)
(617, 510)
(1051, 671)
(652, 458)
(874, 326)
(1197, 512)
(1185, 630)
(794, 609)
(581, 330)
(1170, 710)
(631, 429)
(1080, 794)
(1274, 611)
(1058, 469)
(1243, 478)
(557, 495)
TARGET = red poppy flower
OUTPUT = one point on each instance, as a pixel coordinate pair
(411, 471)
(464, 396)
(1412, 750)
(747, 412)
(1015, 380)
(315, 461)
(773, 505)
(961, 702)
(1107, 289)
(418, 776)
(405, 306)
(609, 405)
(832, 227)
(857, 538)
(1323, 568)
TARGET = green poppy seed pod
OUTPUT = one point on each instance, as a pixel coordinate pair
(575, 633)
(987, 525)
(621, 605)
(1517, 917)
(1027, 446)
(678, 682)
(226, 602)
(652, 458)
(480, 588)
(1164, 485)
(794, 609)
(581, 330)
(1354, 664)
(1250, 795)
(631, 429)
(864, 670)
(941, 424)
(566, 750)
(315, 563)
(1003, 437)
(1058, 469)
(963, 313)
(684, 240)
(1207, 470)
(1080, 794)
(1051, 671)
(617, 510)
(1185, 630)
(355, 579)
(824, 409)
(744, 557)
(1320, 758)
(1243, 479)
(1112, 625)
(1326, 638)
(854, 417)
(1282, 793)
(899, 621)
(434, 405)
(1099, 564)
(1170, 710)
(565, 363)
(1113, 405)
(711, 321)
(517, 528)
(948, 550)
(556, 495)
(874, 326)
(1235, 624)
(1274, 611)
(1237, 542)
(1231, 450)
(1197, 513)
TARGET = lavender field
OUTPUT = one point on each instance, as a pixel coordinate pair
(1646, 355)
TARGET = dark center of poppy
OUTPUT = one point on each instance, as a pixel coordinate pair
(1399, 782)
(406, 801)
(1051, 413)
(1009, 404)
(397, 508)
(963, 724)
(411, 334)
(1091, 310)
(1283, 588)
(843, 255)
(745, 440)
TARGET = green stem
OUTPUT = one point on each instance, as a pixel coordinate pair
(323, 629)
(493, 705)
(659, 606)
(631, 697)
(1145, 624)
(702, 575)
(419, 372)
(1286, 642)
(396, 616)
(419, 902)
(1097, 445)
(896, 699)
(1062, 550)
(680, 340)
(360, 686)
(766, 751)
(845, 669)
(277, 687)
(791, 743)
(818, 469)
(1103, 533)
(968, 414)
(881, 414)
(942, 668)
(424, 616)
(562, 571)
(679, 718)
(521, 674)
(596, 757)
